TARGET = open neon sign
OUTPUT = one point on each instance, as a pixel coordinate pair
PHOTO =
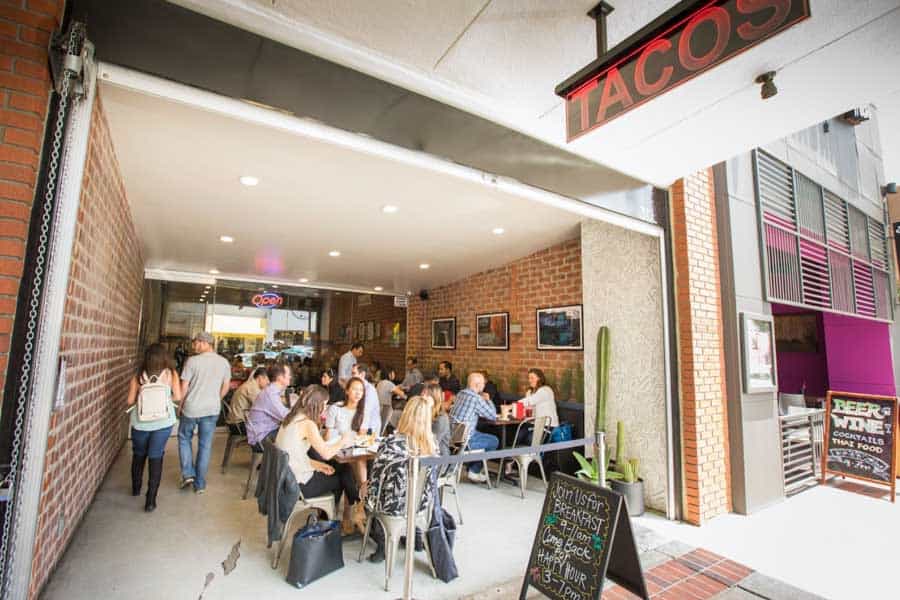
(267, 300)
(695, 39)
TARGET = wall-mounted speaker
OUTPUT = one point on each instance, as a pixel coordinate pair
(423, 295)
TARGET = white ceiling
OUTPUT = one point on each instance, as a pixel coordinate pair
(501, 59)
(181, 166)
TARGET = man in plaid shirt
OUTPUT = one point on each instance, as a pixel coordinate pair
(469, 406)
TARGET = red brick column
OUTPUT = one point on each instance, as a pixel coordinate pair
(707, 478)
(25, 28)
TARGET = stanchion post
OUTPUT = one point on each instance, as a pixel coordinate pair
(412, 474)
(600, 457)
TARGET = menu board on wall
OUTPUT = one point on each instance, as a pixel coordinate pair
(860, 438)
(583, 536)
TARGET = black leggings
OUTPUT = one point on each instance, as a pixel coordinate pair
(341, 482)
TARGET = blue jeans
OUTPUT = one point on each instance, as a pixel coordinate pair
(205, 426)
(481, 441)
(150, 443)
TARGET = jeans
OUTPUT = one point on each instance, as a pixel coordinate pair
(481, 441)
(205, 426)
(150, 443)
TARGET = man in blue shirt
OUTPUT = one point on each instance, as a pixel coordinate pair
(265, 416)
(345, 364)
(468, 408)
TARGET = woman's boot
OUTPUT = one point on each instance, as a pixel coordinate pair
(137, 473)
(153, 487)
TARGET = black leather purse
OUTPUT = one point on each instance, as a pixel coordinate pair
(316, 552)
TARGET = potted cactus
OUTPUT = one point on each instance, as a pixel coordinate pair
(630, 485)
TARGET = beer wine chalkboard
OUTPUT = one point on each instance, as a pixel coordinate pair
(584, 535)
(860, 438)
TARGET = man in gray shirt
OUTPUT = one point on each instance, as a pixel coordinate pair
(345, 364)
(204, 382)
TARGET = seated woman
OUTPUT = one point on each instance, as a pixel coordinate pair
(329, 381)
(385, 395)
(347, 415)
(440, 421)
(540, 397)
(387, 487)
(298, 436)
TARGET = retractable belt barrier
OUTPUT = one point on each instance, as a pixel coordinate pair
(415, 463)
(435, 461)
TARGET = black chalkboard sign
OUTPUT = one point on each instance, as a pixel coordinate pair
(860, 438)
(584, 535)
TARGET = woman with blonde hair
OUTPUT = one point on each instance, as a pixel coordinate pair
(440, 421)
(387, 484)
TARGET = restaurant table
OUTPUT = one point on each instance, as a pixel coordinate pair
(346, 456)
(503, 424)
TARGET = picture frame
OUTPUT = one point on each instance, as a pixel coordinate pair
(361, 331)
(370, 331)
(560, 327)
(492, 331)
(378, 330)
(443, 333)
(758, 353)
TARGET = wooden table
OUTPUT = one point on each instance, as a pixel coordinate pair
(347, 457)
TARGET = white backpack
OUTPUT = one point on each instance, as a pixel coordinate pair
(153, 398)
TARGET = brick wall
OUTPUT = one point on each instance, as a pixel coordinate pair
(707, 473)
(550, 277)
(24, 94)
(100, 345)
(346, 309)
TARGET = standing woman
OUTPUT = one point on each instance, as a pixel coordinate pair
(148, 438)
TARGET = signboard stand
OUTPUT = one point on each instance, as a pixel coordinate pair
(860, 440)
(583, 537)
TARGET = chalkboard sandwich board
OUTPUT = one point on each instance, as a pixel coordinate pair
(860, 438)
(584, 535)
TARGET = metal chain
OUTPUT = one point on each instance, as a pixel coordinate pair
(10, 524)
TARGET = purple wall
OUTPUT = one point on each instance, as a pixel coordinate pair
(859, 355)
(795, 368)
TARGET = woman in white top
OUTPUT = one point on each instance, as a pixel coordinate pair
(540, 396)
(349, 416)
(298, 435)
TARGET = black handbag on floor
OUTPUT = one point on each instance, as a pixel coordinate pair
(441, 535)
(316, 551)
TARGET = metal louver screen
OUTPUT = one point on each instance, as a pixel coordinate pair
(820, 252)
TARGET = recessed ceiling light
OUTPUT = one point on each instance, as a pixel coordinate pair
(389, 209)
(249, 180)
(202, 299)
(378, 288)
(207, 287)
(226, 239)
(334, 253)
(275, 285)
(213, 271)
(424, 266)
(498, 231)
(304, 280)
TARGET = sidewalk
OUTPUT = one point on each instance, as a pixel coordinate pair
(676, 571)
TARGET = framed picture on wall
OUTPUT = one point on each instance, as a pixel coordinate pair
(361, 331)
(443, 333)
(758, 353)
(492, 331)
(560, 328)
(378, 330)
(370, 330)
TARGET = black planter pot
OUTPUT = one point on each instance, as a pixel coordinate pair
(634, 495)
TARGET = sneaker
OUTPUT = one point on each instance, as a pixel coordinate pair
(477, 477)
(199, 491)
(186, 481)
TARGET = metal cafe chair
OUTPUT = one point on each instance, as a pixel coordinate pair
(395, 526)
(466, 436)
(525, 459)
(449, 479)
(324, 503)
(235, 439)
